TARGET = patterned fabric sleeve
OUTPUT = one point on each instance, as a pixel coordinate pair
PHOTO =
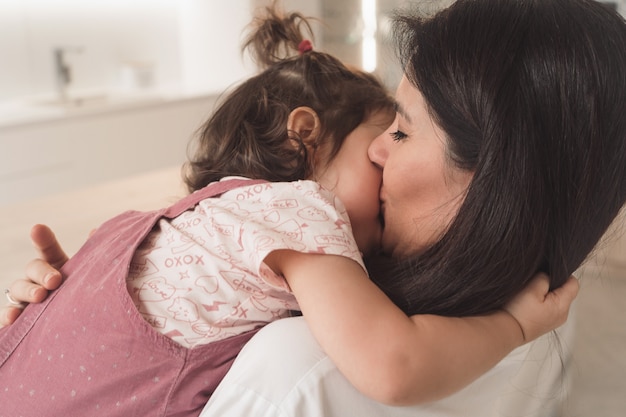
(201, 276)
(300, 216)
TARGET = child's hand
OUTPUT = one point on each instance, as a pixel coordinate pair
(538, 310)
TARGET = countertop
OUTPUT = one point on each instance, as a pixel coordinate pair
(45, 107)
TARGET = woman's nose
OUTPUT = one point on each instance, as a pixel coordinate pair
(379, 149)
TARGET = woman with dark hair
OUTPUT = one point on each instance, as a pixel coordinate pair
(530, 97)
(524, 97)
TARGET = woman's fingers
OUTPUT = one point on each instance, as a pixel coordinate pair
(8, 315)
(41, 274)
(38, 273)
(47, 245)
(32, 289)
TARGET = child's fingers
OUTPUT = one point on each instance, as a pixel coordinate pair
(47, 245)
(568, 291)
(539, 285)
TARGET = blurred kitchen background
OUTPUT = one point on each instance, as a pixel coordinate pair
(99, 98)
(100, 89)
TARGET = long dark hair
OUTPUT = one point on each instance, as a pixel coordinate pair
(532, 97)
(247, 133)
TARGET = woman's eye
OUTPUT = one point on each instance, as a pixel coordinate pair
(398, 135)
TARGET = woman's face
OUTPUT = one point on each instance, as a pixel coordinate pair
(421, 190)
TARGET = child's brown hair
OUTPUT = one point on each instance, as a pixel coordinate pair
(247, 134)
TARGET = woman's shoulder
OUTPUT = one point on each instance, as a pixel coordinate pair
(306, 382)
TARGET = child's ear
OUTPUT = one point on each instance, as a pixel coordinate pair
(304, 121)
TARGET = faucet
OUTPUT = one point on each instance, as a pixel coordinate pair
(63, 71)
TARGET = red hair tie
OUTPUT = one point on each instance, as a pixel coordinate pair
(305, 46)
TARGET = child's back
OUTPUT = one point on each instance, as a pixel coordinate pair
(200, 277)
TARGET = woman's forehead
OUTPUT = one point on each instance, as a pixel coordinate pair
(408, 99)
(411, 106)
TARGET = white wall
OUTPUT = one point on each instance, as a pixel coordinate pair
(193, 44)
(109, 33)
(210, 45)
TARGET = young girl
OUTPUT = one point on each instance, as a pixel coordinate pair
(156, 305)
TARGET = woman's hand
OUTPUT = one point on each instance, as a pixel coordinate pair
(42, 274)
(539, 310)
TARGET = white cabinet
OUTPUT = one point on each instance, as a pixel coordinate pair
(47, 156)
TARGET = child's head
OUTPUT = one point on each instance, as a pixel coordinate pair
(248, 133)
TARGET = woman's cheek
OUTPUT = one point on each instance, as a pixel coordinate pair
(396, 237)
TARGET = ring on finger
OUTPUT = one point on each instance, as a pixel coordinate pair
(12, 301)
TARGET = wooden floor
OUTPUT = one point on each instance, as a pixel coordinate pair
(596, 372)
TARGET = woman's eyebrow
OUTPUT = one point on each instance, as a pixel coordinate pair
(402, 112)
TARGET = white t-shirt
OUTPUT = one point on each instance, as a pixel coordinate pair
(283, 372)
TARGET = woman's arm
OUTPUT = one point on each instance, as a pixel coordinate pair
(401, 360)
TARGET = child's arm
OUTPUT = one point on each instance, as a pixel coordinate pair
(397, 359)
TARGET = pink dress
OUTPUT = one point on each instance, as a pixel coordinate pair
(130, 369)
